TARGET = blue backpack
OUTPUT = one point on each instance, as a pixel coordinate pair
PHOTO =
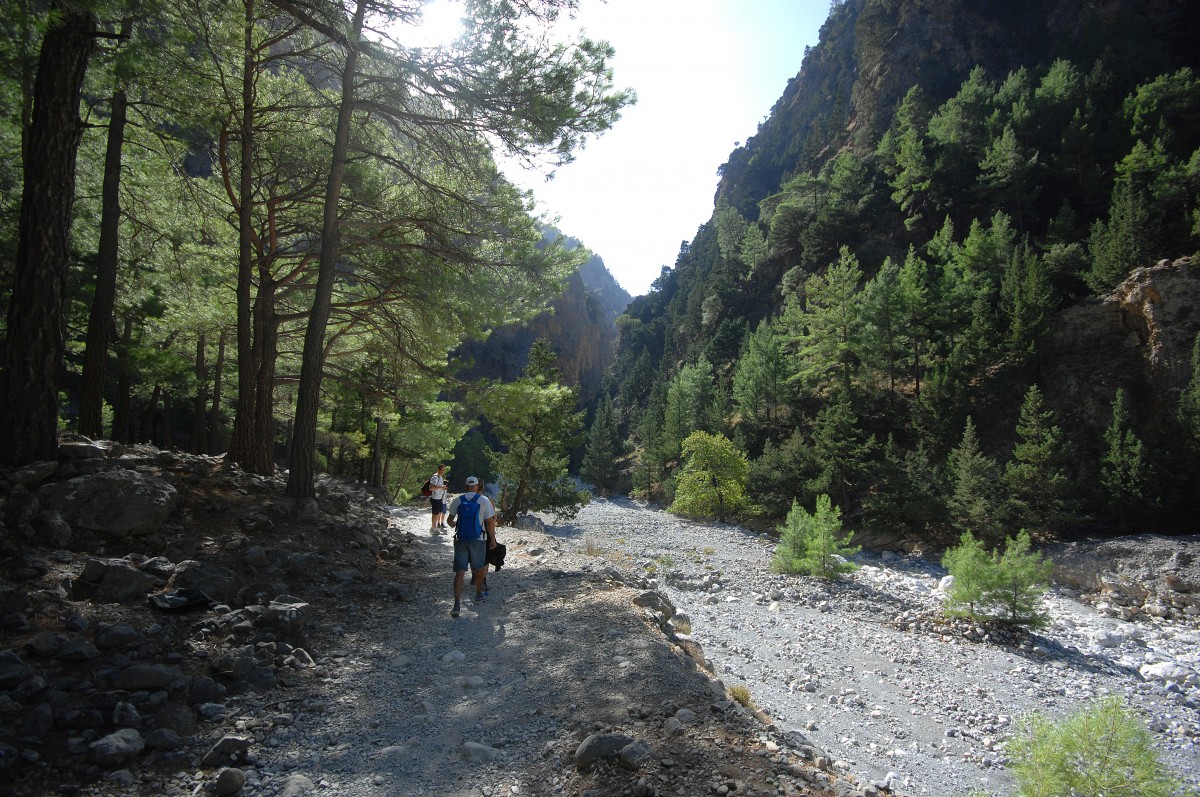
(470, 525)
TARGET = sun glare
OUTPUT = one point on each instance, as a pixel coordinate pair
(441, 23)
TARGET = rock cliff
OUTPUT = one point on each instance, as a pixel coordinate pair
(1138, 338)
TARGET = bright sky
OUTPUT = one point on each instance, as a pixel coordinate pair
(706, 73)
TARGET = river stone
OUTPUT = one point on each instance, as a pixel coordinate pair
(634, 754)
(115, 503)
(230, 781)
(228, 750)
(148, 677)
(297, 786)
(598, 746)
(476, 753)
(117, 748)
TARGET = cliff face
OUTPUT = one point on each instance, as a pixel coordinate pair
(873, 51)
(1137, 338)
(580, 326)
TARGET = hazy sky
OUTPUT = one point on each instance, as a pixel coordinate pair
(707, 73)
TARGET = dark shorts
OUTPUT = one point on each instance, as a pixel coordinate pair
(438, 505)
(473, 553)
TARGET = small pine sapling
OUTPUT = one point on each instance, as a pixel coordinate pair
(1103, 750)
(1022, 578)
(974, 572)
(813, 543)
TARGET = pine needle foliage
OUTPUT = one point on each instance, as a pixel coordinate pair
(1000, 586)
(813, 543)
(1100, 751)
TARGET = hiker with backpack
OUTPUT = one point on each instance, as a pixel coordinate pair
(437, 499)
(472, 516)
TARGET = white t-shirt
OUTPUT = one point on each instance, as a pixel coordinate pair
(437, 486)
(486, 510)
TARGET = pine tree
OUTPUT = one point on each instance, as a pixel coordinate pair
(602, 456)
(1124, 468)
(813, 543)
(1022, 575)
(974, 502)
(1037, 475)
(974, 572)
(1125, 241)
(841, 450)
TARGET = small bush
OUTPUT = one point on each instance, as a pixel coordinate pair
(813, 543)
(741, 695)
(591, 547)
(1100, 751)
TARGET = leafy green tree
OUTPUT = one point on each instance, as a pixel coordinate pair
(536, 422)
(780, 473)
(1008, 169)
(1101, 750)
(713, 482)
(1011, 582)
(1125, 465)
(813, 543)
(602, 454)
(1036, 477)
(975, 501)
(909, 163)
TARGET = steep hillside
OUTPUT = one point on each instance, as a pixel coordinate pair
(897, 260)
(579, 324)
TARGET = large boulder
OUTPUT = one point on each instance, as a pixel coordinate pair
(115, 503)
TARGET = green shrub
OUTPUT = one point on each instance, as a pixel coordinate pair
(1004, 586)
(1100, 751)
(813, 543)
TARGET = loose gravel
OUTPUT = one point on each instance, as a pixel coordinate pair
(864, 667)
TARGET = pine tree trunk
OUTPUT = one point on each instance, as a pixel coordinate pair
(214, 425)
(242, 444)
(375, 474)
(146, 427)
(302, 458)
(35, 344)
(167, 439)
(95, 357)
(199, 425)
(123, 411)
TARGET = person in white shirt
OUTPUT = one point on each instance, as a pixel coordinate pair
(437, 499)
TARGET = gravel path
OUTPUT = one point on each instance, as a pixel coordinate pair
(928, 704)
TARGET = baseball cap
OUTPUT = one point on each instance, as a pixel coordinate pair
(472, 481)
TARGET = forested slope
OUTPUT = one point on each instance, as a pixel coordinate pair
(879, 307)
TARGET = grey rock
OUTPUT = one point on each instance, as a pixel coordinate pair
(229, 750)
(149, 677)
(118, 636)
(598, 746)
(297, 786)
(230, 781)
(163, 739)
(115, 503)
(33, 473)
(216, 580)
(117, 748)
(476, 753)
(635, 754)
